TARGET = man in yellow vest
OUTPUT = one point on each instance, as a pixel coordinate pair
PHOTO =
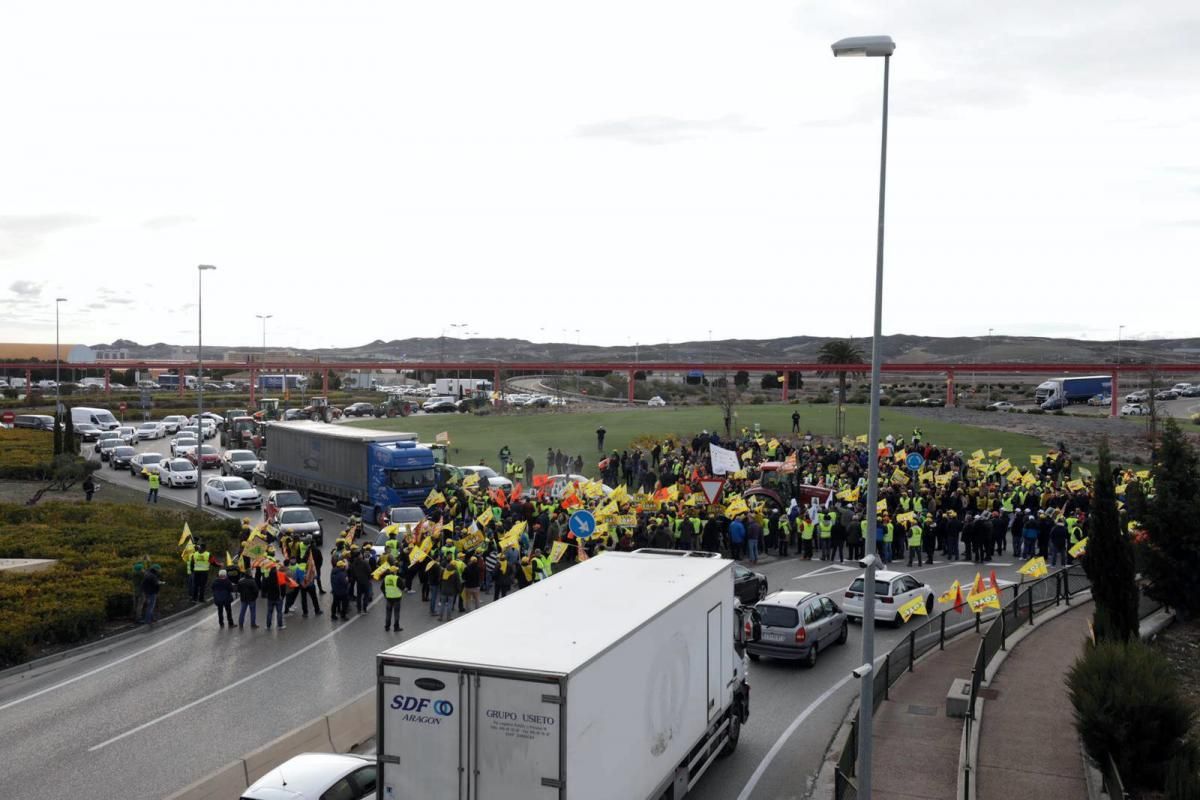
(200, 562)
(806, 536)
(914, 544)
(393, 594)
(155, 481)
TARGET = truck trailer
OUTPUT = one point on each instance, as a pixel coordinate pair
(1061, 392)
(563, 690)
(460, 387)
(364, 470)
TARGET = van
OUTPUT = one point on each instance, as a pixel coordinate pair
(37, 422)
(100, 417)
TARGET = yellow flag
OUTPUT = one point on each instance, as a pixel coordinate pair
(607, 509)
(861, 438)
(186, 535)
(1079, 548)
(950, 594)
(417, 555)
(924, 476)
(673, 492)
(426, 544)
(773, 444)
(881, 507)
(943, 479)
(907, 516)
(1029, 479)
(557, 549)
(1143, 474)
(737, 506)
(914, 606)
(997, 453)
(517, 529)
(1121, 487)
(1036, 460)
(470, 480)
(434, 498)
(899, 477)
(1004, 467)
(187, 552)
(228, 559)
(985, 599)
(619, 494)
(900, 455)
(1075, 485)
(378, 573)
(1034, 568)
(977, 455)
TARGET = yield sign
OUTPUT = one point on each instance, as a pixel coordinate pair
(712, 489)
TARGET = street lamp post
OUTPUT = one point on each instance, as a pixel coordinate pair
(989, 347)
(200, 379)
(872, 46)
(57, 367)
(264, 318)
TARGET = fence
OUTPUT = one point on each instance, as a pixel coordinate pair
(1025, 600)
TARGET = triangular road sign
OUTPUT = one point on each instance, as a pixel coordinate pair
(712, 489)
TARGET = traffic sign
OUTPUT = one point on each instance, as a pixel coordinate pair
(121, 405)
(915, 461)
(8, 417)
(582, 524)
(712, 489)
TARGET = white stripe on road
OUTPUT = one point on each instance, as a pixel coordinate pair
(98, 670)
(224, 689)
(761, 769)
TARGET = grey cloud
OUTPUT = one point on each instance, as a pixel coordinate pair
(21, 233)
(27, 289)
(654, 130)
(167, 221)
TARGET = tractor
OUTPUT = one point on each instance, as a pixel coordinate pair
(319, 410)
(394, 406)
(238, 432)
(268, 409)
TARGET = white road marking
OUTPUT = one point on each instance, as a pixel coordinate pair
(98, 670)
(825, 571)
(763, 765)
(224, 689)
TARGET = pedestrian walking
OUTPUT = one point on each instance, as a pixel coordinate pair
(89, 488)
(600, 432)
(339, 585)
(222, 592)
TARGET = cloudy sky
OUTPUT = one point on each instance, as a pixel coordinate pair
(638, 170)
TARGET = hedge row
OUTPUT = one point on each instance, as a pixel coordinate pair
(25, 454)
(96, 546)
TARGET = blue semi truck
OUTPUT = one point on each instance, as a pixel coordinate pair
(1061, 392)
(357, 469)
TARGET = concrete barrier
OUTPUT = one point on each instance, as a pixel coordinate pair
(353, 723)
(224, 784)
(310, 738)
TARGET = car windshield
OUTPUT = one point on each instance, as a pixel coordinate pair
(110, 435)
(881, 587)
(148, 426)
(236, 484)
(208, 450)
(407, 515)
(151, 458)
(241, 455)
(485, 472)
(296, 516)
(109, 444)
(410, 478)
(288, 499)
(181, 465)
(105, 417)
(777, 616)
(124, 452)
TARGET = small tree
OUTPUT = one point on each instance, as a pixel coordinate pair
(727, 399)
(69, 444)
(839, 351)
(58, 439)
(1173, 524)
(741, 379)
(1109, 561)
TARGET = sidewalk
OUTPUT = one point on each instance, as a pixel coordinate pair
(915, 744)
(1028, 746)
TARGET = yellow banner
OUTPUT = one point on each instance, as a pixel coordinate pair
(1004, 467)
(924, 476)
(470, 480)
(1079, 548)
(899, 477)
(861, 438)
(187, 534)
(1143, 474)
(985, 599)
(977, 455)
(557, 549)
(914, 606)
(1028, 479)
(1075, 485)
(434, 498)
(881, 507)
(907, 516)
(997, 453)
(1036, 460)
(625, 520)
(951, 594)
(943, 479)
(1034, 568)
(471, 541)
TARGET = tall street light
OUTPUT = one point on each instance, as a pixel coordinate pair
(989, 347)
(1115, 389)
(200, 269)
(264, 318)
(57, 366)
(875, 47)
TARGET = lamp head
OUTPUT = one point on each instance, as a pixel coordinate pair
(873, 46)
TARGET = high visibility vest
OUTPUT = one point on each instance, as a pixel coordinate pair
(919, 505)
(155, 481)
(888, 532)
(545, 567)
(914, 536)
(826, 527)
(677, 528)
(696, 525)
(906, 502)
(1073, 528)
(302, 549)
(392, 545)
(806, 532)
(200, 561)
(1006, 503)
(391, 586)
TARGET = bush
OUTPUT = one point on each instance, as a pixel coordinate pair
(26, 455)
(1128, 706)
(757, 400)
(885, 401)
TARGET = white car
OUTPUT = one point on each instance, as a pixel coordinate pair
(317, 776)
(892, 590)
(1002, 405)
(1099, 400)
(494, 481)
(1135, 410)
(1140, 396)
(129, 434)
(556, 486)
(176, 472)
(215, 419)
(151, 430)
(174, 422)
(231, 493)
(656, 402)
(182, 445)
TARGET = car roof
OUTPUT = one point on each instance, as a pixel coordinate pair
(305, 775)
(889, 575)
(790, 597)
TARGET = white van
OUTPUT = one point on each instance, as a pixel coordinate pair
(100, 417)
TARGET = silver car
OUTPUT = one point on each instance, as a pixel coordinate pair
(796, 626)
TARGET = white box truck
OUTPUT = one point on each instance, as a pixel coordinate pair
(621, 677)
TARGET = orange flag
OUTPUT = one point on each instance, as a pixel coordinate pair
(571, 501)
(540, 480)
(499, 498)
(978, 586)
(515, 494)
(662, 495)
(992, 580)
(959, 605)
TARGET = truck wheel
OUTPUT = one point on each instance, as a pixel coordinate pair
(735, 729)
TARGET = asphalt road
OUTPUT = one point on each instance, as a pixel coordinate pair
(147, 715)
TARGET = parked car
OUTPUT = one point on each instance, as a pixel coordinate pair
(1099, 400)
(37, 422)
(1140, 396)
(797, 626)
(281, 498)
(494, 481)
(1166, 394)
(1191, 391)
(292, 414)
(656, 402)
(1135, 410)
(317, 776)
(1002, 405)
(106, 446)
(231, 493)
(141, 464)
(238, 462)
(892, 590)
(748, 586)
(174, 422)
(299, 521)
(205, 455)
(1180, 388)
(439, 405)
(151, 430)
(934, 402)
(177, 472)
(359, 410)
(120, 457)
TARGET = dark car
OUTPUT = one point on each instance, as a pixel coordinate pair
(87, 432)
(240, 463)
(748, 586)
(121, 457)
(292, 414)
(441, 405)
(359, 410)
(207, 455)
(37, 422)
(108, 445)
(798, 625)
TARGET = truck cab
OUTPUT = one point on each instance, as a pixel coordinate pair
(401, 474)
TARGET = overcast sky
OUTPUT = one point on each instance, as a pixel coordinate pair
(638, 170)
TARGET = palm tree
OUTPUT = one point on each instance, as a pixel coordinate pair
(839, 351)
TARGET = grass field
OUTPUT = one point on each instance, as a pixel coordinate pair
(480, 438)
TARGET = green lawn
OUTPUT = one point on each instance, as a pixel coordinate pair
(480, 438)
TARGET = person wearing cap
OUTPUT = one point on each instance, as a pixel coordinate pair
(339, 585)
(393, 594)
(222, 594)
(150, 586)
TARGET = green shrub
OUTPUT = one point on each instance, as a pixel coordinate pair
(757, 400)
(1128, 706)
(26, 455)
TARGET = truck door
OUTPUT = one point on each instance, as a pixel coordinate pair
(423, 746)
(716, 650)
(515, 739)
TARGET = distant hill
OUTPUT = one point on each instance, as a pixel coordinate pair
(896, 348)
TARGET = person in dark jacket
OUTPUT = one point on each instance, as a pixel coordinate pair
(339, 584)
(360, 575)
(273, 590)
(247, 589)
(222, 594)
(150, 587)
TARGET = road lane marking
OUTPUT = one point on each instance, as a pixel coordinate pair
(224, 689)
(98, 670)
(820, 571)
(763, 765)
